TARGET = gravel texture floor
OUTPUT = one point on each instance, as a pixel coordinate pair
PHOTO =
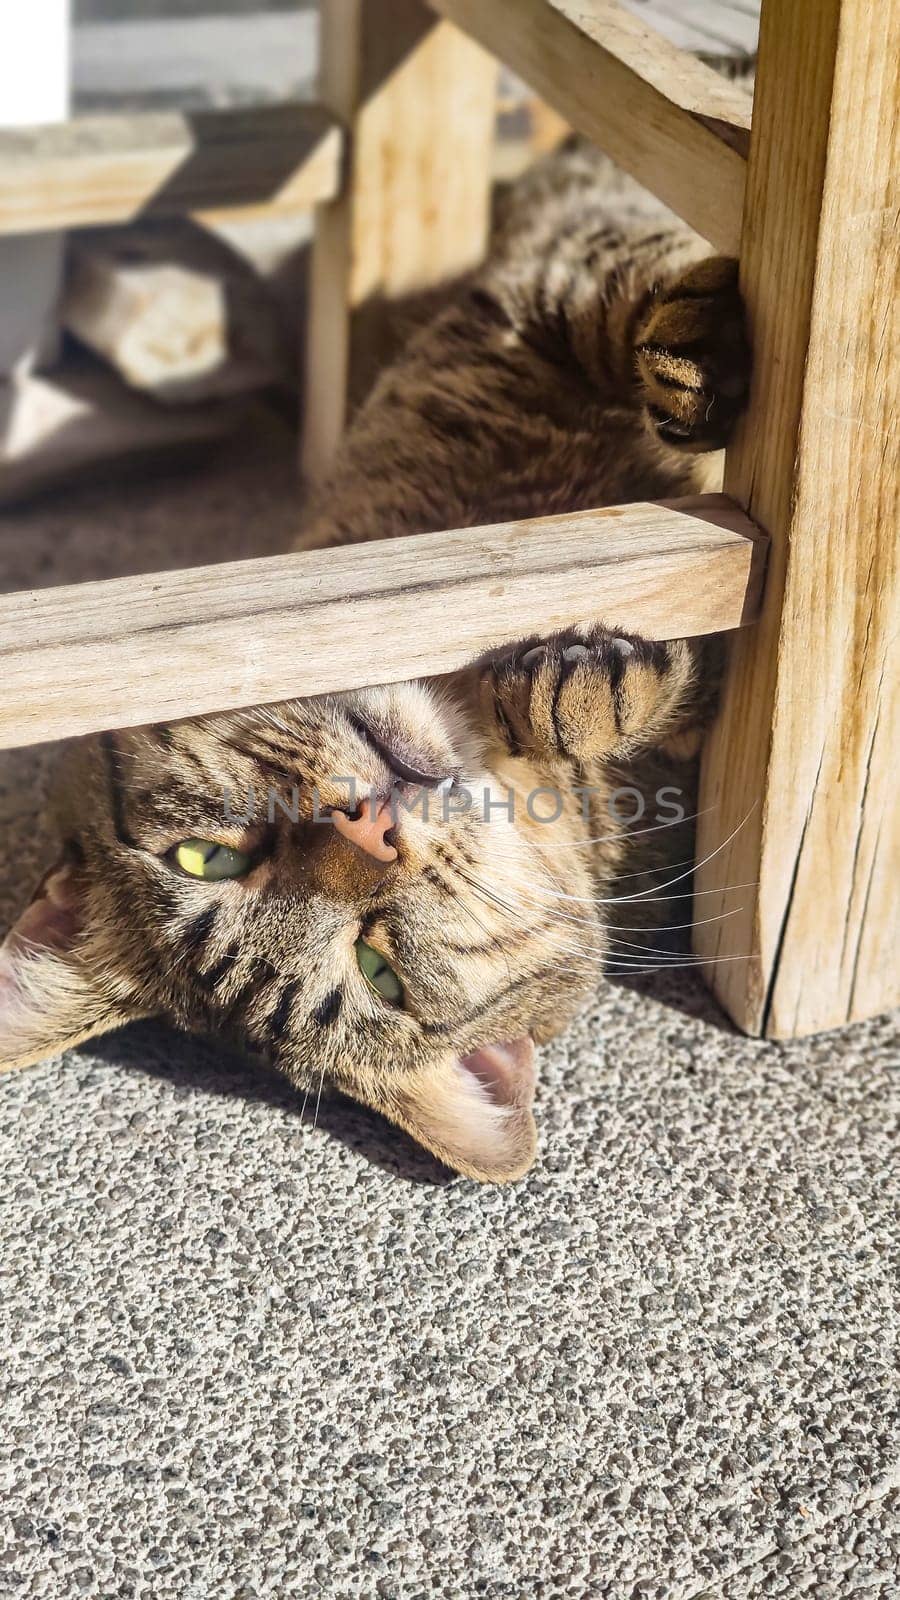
(249, 1357)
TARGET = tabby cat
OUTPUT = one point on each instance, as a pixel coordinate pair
(412, 947)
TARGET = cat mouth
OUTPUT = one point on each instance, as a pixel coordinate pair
(505, 1073)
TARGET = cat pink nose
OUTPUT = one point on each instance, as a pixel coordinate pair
(369, 830)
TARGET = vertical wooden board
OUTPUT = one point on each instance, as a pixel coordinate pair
(800, 761)
(418, 99)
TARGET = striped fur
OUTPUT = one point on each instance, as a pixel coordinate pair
(588, 363)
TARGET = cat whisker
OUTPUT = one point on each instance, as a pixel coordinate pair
(660, 889)
(622, 966)
(658, 892)
(623, 946)
(698, 922)
(697, 864)
(547, 900)
(319, 1097)
(623, 834)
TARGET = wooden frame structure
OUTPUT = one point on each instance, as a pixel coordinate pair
(796, 806)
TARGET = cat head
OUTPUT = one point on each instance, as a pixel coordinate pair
(384, 936)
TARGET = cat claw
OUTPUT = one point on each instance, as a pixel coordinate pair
(574, 652)
(533, 656)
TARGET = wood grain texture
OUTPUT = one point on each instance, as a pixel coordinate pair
(418, 99)
(801, 760)
(172, 644)
(112, 169)
(670, 121)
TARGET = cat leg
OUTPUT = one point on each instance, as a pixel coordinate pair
(650, 320)
(589, 695)
(692, 358)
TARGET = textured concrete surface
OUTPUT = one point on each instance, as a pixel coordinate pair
(249, 1357)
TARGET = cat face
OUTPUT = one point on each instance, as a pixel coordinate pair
(408, 949)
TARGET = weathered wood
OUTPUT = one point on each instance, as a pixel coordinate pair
(418, 99)
(172, 644)
(803, 761)
(267, 159)
(174, 311)
(670, 121)
(159, 323)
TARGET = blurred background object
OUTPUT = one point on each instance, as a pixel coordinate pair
(121, 342)
(34, 88)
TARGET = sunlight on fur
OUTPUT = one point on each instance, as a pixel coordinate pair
(591, 362)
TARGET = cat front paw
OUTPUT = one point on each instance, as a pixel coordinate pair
(588, 693)
(693, 357)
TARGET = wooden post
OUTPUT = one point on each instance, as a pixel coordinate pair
(418, 100)
(800, 762)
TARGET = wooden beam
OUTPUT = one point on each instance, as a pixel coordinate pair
(670, 121)
(418, 99)
(173, 644)
(803, 761)
(112, 169)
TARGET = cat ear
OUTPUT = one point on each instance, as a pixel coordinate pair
(47, 998)
(474, 1112)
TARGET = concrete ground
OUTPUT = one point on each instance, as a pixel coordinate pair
(246, 1356)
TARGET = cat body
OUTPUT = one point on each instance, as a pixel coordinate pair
(520, 397)
(399, 891)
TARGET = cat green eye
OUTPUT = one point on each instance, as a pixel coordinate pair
(204, 858)
(378, 975)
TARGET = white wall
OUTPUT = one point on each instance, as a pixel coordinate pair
(34, 87)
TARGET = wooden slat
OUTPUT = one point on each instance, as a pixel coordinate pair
(803, 761)
(670, 121)
(419, 101)
(172, 644)
(112, 169)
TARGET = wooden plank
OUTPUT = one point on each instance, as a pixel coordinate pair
(418, 99)
(811, 714)
(172, 644)
(670, 121)
(170, 308)
(113, 169)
